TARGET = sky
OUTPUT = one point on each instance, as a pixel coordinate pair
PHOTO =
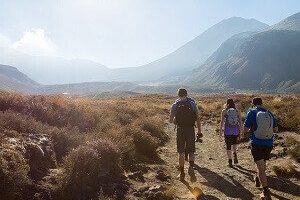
(121, 33)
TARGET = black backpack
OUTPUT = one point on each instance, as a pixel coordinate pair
(185, 116)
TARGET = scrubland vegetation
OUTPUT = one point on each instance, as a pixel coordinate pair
(93, 141)
(55, 147)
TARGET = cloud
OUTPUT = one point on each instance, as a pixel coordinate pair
(35, 42)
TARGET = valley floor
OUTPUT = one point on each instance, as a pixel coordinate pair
(214, 177)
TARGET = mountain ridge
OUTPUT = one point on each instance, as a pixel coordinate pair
(265, 60)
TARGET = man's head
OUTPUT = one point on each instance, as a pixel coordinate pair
(182, 92)
(257, 101)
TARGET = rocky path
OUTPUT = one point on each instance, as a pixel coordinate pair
(215, 178)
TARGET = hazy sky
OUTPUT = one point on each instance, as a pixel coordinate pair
(122, 33)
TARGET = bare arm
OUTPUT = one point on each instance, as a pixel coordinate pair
(222, 123)
(241, 125)
(172, 117)
(198, 122)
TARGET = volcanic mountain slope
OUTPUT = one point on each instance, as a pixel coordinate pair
(191, 54)
(13, 80)
(267, 60)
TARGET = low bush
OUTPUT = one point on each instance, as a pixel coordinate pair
(14, 180)
(155, 126)
(145, 146)
(294, 152)
(92, 169)
(65, 140)
(287, 171)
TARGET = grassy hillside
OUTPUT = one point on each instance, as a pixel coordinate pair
(54, 147)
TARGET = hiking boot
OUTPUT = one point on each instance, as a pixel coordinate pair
(257, 182)
(266, 194)
(230, 163)
(235, 159)
(198, 138)
(181, 176)
(191, 172)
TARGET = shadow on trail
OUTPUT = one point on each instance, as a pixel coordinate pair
(196, 191)
(232, 190)
(279, 184)
(248, 173)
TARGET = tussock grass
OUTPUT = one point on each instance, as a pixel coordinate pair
(84, 133)
(286, 171)
(94, 140)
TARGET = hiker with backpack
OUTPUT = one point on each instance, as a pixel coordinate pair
(261, 124)
(184, 114)
(231, 127)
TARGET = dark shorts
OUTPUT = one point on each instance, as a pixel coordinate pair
(185, 139)
(261, 152)
(230, 140)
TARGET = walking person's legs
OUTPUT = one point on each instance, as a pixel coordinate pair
(234, 148)
(260, 155)
(228, 149)
(181, 165)
(262, 176)
(181, 149)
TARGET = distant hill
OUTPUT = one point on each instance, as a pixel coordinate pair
(88, 88)
(55, 70)
(267, 60)
(190, 55)
(13, 80)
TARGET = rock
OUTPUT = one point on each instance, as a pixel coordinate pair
(138, 176)
(162, 176)
(141, 192)
(155, 188)
(40, 156)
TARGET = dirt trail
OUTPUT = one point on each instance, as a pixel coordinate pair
(215, 178)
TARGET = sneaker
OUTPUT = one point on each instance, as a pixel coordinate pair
(235, 160)
(191, 172)
(266, 195)
(230, 163)
(198, 138)
(257, 182)
(181, 176)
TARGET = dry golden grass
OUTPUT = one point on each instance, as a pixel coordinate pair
(131, 128)
(287, 171)
(285, 108)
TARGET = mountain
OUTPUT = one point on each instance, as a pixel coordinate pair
(267, 60)
(291, 23)
(54, 70)
(192, 54)
(13, 80)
